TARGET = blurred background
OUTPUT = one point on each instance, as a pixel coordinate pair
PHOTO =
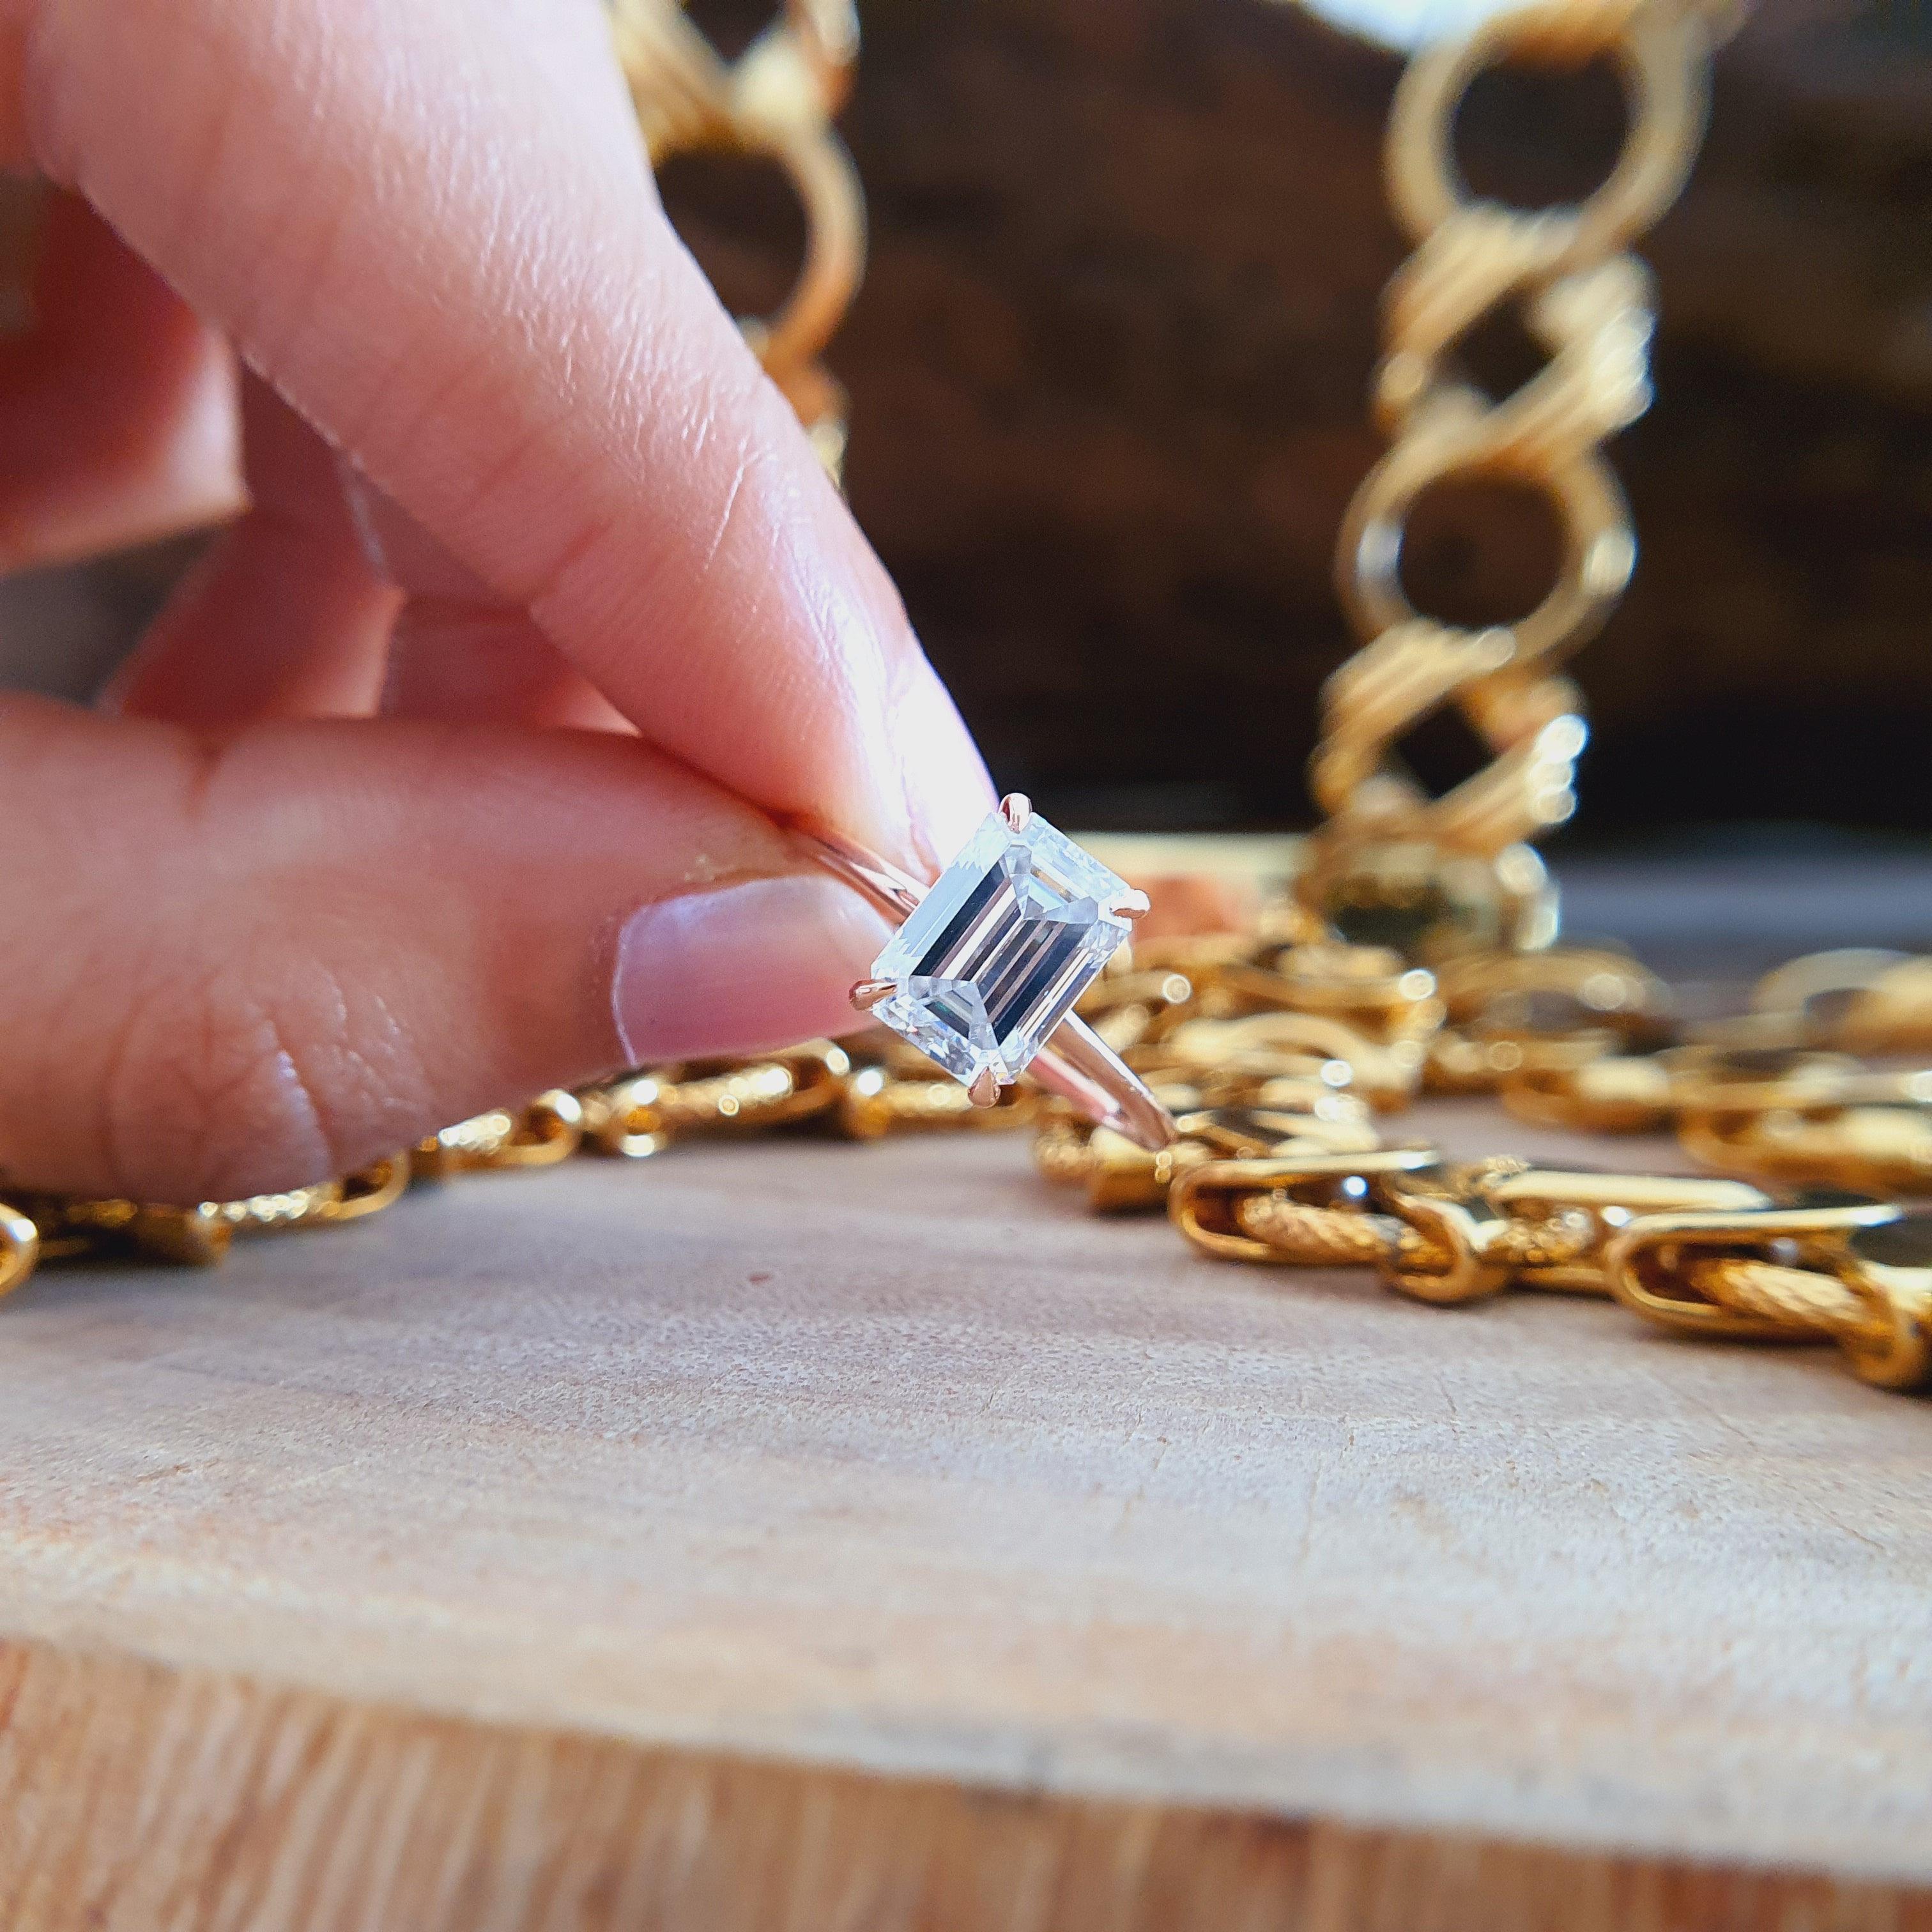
(1108, 374)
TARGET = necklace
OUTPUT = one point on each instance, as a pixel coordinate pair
(1414, 950)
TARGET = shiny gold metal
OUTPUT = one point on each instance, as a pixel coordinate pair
(1610, 1093)
(1231, 1060)
(19, 1247)
(875, 1100)
(69, 1227)
(547, 1131)
(1692, 1087)
(1443, 874)
(642, 1114)
(1120, 1178)
(1588, 986)
(1821, 1270)
(1318, 1208)
(1858, 999)
(1441, 1233)
(1874, 1136)
(327, 1204)
(1128, 1007)
(1487, 1057)
(777, 100)
(1867, 1287)
(1371, 987)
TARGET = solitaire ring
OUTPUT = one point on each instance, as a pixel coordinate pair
(983, 973)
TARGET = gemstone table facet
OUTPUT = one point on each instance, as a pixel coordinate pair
(994, 957)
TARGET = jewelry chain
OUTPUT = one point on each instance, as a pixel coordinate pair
(1459, 863)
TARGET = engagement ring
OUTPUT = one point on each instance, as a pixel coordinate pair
(983, 975)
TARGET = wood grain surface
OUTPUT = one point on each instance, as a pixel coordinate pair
(804, 1534)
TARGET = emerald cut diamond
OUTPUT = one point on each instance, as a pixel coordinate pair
(993, 958)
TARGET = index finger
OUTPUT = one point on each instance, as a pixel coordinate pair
(432, 228)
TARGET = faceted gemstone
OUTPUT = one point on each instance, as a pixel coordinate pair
(994, 957)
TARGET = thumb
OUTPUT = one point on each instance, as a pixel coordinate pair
(252, 965)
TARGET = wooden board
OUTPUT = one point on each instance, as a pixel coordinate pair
(805, 1534)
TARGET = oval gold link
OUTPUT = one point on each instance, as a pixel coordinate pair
(1663, 1267)
(1786, 1297)
(874, 1101)
(1662, 48)
(1206, 1202)
(641, 1114)
(1306, 1237)
(546, 1131)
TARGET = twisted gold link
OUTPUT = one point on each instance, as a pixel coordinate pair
(643, 1113)
(1347, 1238)
(1588, 304)
(1794, 1297)
(1312, 1237)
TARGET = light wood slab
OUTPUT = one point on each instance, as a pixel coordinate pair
(468, 1551)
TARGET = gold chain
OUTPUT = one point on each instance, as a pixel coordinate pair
(1450, 872)
(1277, 1050)
(777, 101)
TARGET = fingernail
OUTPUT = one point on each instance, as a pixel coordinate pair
(763, 964)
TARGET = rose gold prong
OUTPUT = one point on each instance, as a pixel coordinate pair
(1016, 809)
(867, 993)
(1132, 906)
(985, 1090)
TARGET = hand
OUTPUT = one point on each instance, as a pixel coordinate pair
(508, 469)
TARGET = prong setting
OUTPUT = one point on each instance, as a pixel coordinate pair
(993, 958)
(1131, 905)
(985, 1090)
(867, 993)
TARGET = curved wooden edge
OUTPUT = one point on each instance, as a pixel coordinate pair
(136, 1796)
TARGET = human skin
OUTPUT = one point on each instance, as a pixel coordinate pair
(457, 770)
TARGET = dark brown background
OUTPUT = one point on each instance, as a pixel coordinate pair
(1107, 373)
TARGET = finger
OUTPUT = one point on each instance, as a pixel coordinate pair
(458, 652)
(470, 664)
(451, 260)
(118, 404)
(258, 963)
(286, 617)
